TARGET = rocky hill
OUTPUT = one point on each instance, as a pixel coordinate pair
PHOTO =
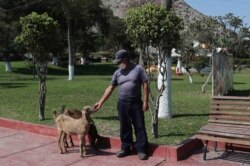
(186, 12)
(182, 9)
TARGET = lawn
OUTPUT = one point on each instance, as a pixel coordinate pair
(19, 93)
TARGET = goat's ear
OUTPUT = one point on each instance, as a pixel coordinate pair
(84, 113)
(54, 114)
(54, 111)
(87, 109)
(63, 109)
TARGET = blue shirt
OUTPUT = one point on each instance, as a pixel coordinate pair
(129, 81)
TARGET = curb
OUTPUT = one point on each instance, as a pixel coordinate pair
(170, 153)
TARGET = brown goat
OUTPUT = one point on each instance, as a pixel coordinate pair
(93, 134)
(68, 125)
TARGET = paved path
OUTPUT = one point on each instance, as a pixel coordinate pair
(21, 148)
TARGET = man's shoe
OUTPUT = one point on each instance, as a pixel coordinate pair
(142, 156)
(123, 153)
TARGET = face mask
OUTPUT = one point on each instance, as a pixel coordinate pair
(122, 66)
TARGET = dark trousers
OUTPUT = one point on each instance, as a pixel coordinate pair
(130, 114)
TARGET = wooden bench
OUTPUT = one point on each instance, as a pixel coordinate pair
(229, 122)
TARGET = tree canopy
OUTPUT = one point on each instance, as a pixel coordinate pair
(39, 35)
(152, 25)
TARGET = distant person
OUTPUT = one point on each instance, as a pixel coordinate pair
(130, 79)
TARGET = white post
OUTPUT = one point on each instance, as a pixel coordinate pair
(55, 61)
(165, 104)
(83, 61)
(7, 66)
(178, 67)
(71, 72)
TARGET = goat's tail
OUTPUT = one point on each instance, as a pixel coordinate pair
(54, 115)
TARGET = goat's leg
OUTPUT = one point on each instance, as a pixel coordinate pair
(93, 135)
(65, 141)
(64, 150)
(71, 141)
(84, 145)
(81, 146)
(59, 138)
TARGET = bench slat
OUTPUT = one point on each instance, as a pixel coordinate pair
(238, 126)
(230, 113)
(226, 129)
(225, 135)
(222, 102)
(228, 122)
(220, 139)
(230, 98)
(225, 117)
(236, 108)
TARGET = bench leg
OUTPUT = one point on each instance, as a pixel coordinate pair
(230, 146)
(205, 150)
(215, 146)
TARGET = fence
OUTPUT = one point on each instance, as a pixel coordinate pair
(222, 73)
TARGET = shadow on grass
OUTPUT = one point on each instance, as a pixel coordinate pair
(107, 118)
(13, 85)
(177, 79)
(201, 83)
(173, 135)
(239, 83)
(239, 93)
(189, 115)
(92, 69)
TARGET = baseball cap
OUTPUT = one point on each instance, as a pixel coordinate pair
(120, 55)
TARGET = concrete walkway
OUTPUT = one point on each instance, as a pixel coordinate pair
(22, 148)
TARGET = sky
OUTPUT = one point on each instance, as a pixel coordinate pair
(239, 8)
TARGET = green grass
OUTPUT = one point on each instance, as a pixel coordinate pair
(19, 93)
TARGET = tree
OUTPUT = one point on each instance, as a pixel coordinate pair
(226, 33)
(116, 37)
(164, 77)
(83, 18)
(5, 40)
(186, 50)
(234, 34)
(91, 26)
(39, 35)
(8, 28)
(152, 25)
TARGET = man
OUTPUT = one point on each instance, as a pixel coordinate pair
(130, 79)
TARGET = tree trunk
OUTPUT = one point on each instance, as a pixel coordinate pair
(155, 114)
(205, 84)
(7, 66)
(42, 74)
(164, 78)
(165, 105)
(189, 76)
(141, 61)
(70, 49)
